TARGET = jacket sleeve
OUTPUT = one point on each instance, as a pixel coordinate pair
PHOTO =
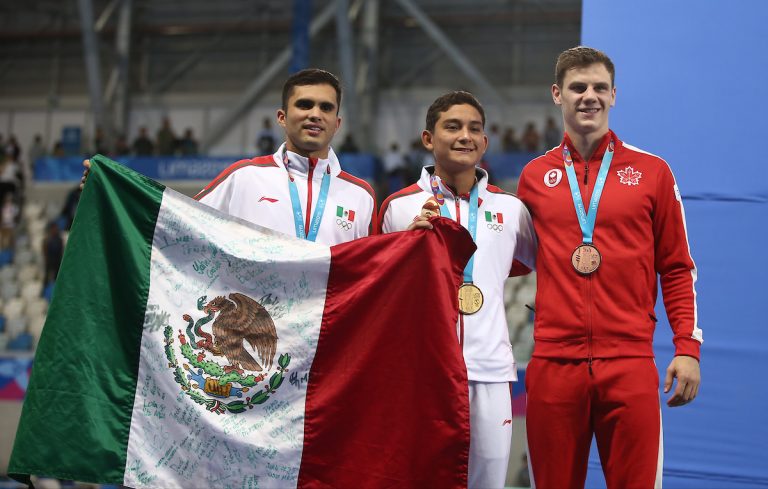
(525, 246)
(675, 266)
(218, 193)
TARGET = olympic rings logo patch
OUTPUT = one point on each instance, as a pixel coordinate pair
(495, 227)
(345, 225)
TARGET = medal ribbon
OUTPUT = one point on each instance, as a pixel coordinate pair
(587, 219)
(298, 215)
(471, 224)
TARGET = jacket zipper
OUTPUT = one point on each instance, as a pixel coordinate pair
(457, 201)
(312, 163)
(589, 284)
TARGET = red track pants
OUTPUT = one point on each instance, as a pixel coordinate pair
(618, 402)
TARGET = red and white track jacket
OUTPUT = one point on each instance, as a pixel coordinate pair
(506, 246)
(257, 190)
(640, 232)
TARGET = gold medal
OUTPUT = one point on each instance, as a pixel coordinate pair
(470, 298)
(586, 259)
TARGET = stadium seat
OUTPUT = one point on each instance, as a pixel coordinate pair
(28, 273)
(517, 317)
(9, 289)
(22, 342)
(16, 326)
(526, 294)
(2, 323)
(24, 257)
(13, 308)
(32, 210)
(8, 272)
(31, 290)
(35, 325)
(6, 256)
(36, 307)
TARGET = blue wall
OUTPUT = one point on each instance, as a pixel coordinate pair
(690, 87)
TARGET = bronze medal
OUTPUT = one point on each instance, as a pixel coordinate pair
(586, 259)
(470, 298)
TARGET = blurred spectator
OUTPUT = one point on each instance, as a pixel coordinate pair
(266, 141)
(100, 142)
(188, 144)
(53, 250)
(12, 148)
(9, 213)
(58, 150)
(349, 145)
(2, 149)
(417, 157)
(9, 177)
(552, 134)
(142, 145)
(509, 142)
(121, 146)
(394, 168)
(531, 138)
(36, 150)
(494, 140)
(70, 207)
(166, 139)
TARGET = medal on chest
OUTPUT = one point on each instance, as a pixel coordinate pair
(470, 295)
(586, 259)
(470, 298)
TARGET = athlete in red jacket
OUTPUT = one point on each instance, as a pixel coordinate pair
(609, 220)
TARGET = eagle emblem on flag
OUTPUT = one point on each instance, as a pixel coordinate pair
(220, 385)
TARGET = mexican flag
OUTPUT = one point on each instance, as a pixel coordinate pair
(186, 348)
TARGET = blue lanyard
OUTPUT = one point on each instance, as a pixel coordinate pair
(298, 215)
(471, 224)
(587, 219)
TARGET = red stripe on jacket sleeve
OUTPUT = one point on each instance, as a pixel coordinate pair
(260, 161)
(409, 190)
(387, 401)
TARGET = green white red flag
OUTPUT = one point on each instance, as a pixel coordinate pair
(186, 348)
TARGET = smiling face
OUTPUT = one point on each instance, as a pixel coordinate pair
(310, 120)
(585, 97)
(458, 140)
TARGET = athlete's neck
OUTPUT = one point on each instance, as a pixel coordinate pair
(320, 154)
(462, 181)
(586, 144)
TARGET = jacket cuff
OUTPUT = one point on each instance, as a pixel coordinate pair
(688, 347)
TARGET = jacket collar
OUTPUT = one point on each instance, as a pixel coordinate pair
(425, 182)
(599, 152)
(299, 165)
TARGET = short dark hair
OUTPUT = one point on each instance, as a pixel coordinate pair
(311, 76)
(448, 100)
(580, 57)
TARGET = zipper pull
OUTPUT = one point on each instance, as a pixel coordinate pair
(589, 363)
(586, 171)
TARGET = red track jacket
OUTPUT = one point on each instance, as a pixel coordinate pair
(640, 232)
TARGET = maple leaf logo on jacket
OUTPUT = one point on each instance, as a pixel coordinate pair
(628, 176)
